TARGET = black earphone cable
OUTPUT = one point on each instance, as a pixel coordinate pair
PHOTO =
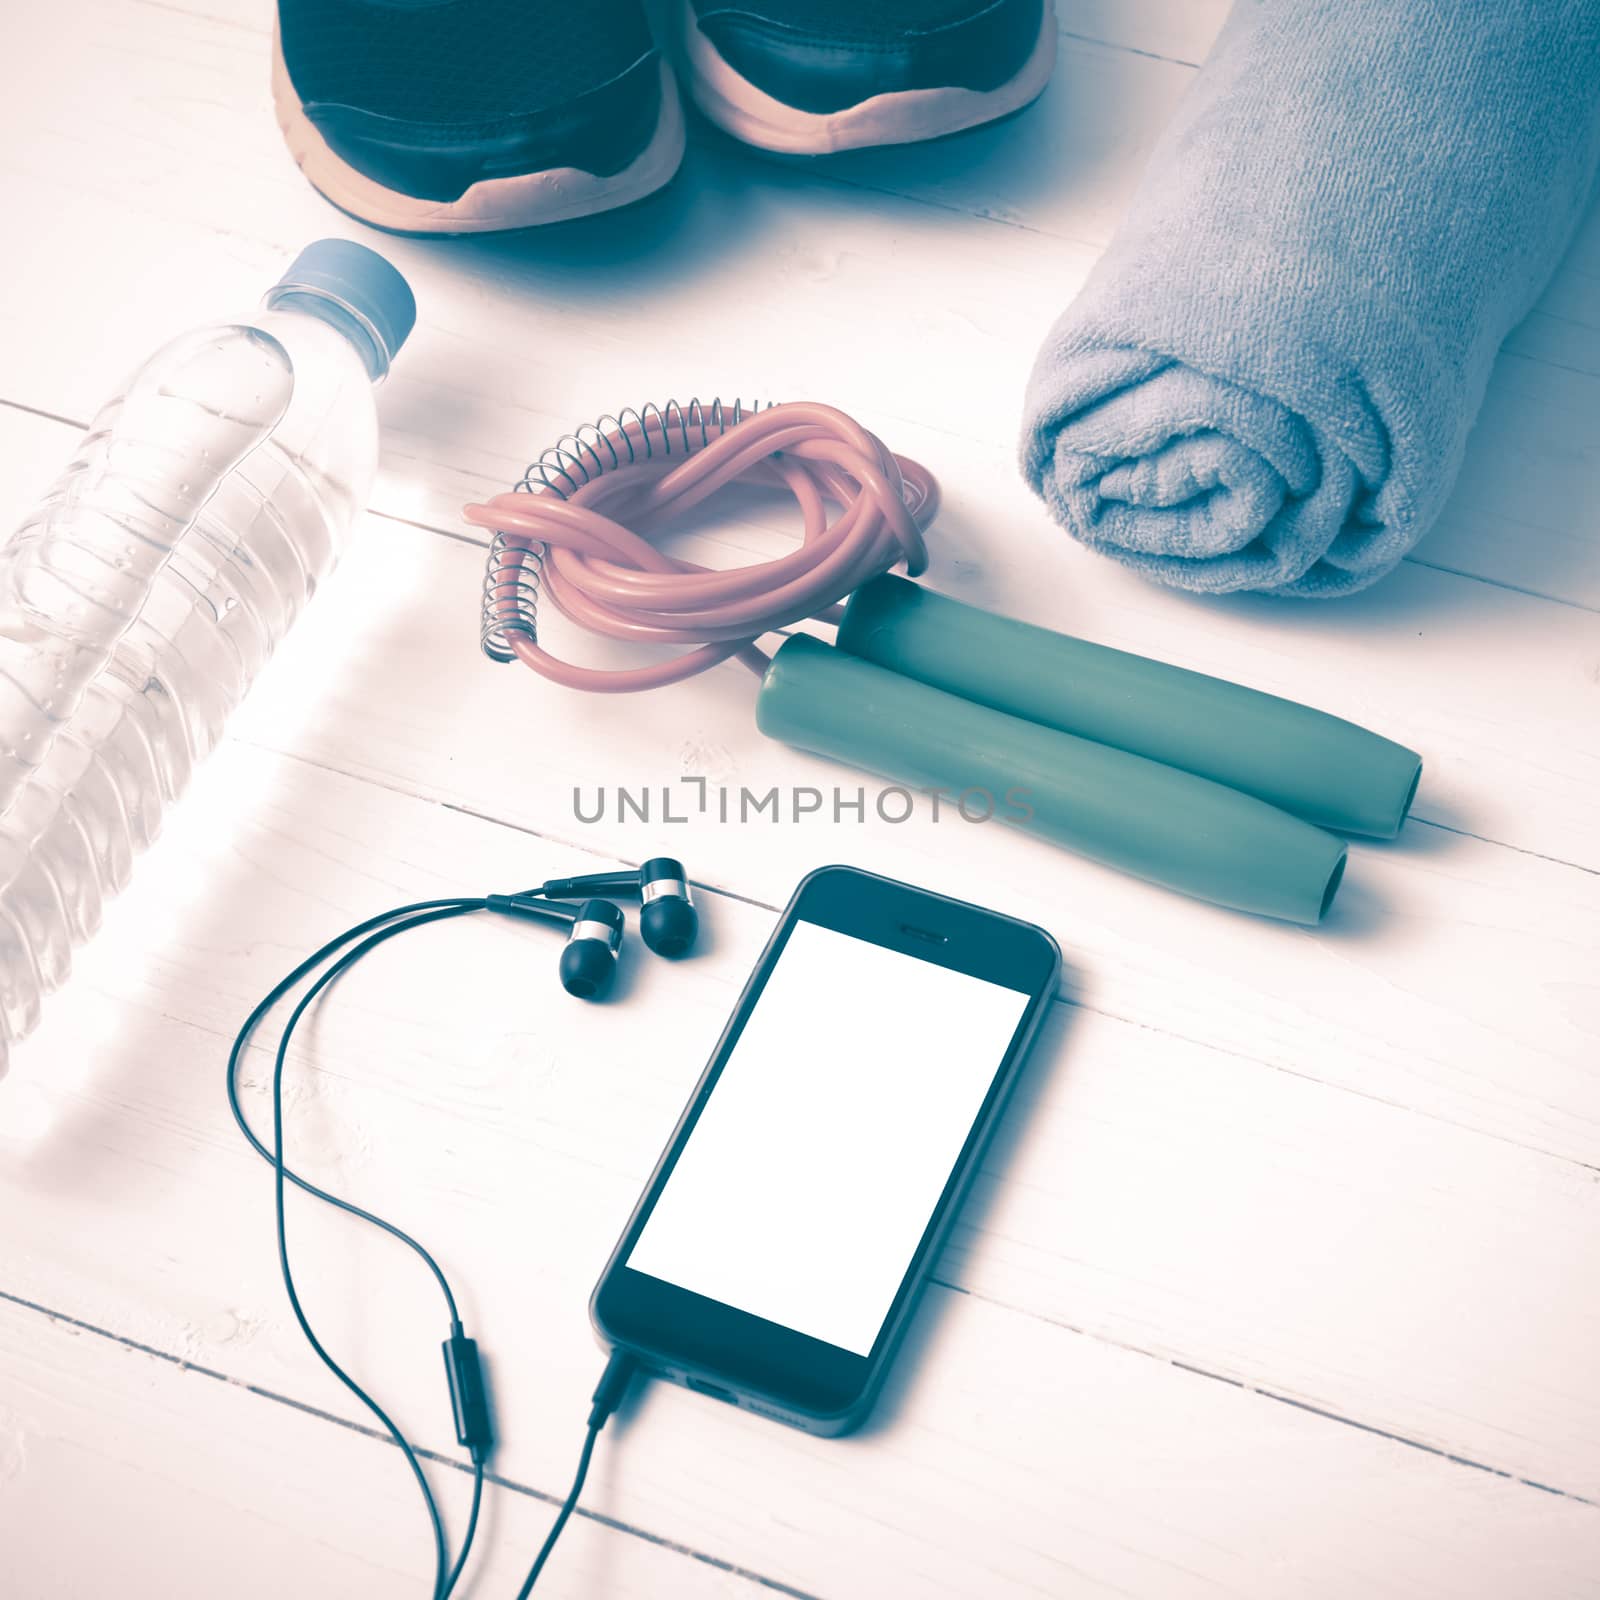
(460, 1353)
(608, 1395)
(471, 1531)
(457, 906)
(387, 924)
(348, 959)
(568, 1506)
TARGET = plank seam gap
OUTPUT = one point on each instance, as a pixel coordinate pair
(717, 1562)
(573, 844)
(1105, 44)
(48, 416)
(453, 534)
(1273, 1395)
(377, 1434)
(205, 16)
(457, 537)
(861, 186)
(1112, 45)
(1500, 844)
(1498, 583)
(1305, 1077)
(1062, 997)
(1558, 366)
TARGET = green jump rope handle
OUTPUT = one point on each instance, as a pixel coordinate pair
(1152, 820)
(1319, 767)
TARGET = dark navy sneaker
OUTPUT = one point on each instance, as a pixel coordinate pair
(810, 76)
(464, 116)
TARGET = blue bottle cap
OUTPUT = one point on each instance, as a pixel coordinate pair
(360, 280)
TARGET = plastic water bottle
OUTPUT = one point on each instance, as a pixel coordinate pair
(145, 592)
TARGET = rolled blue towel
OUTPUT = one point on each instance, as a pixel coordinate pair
(1268, 380)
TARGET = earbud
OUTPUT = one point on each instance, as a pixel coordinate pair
(589, 958)
(589, 961)
(668, 922)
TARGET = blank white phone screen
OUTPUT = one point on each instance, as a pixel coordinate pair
(817, 1161)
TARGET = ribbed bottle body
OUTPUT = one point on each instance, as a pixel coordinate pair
(218, 604)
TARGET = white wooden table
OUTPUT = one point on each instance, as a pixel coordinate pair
(1282, 1280)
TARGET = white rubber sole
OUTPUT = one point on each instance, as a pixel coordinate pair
(751, 115)
(528, 200)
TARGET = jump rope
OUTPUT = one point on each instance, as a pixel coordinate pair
(1220, 791)
(582, 524)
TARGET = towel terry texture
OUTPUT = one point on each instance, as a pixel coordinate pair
(1268, 380)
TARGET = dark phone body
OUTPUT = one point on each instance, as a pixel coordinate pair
(745, 1359)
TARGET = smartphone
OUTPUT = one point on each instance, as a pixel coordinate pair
(778, 1251)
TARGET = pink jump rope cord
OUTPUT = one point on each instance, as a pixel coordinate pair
(610, 579)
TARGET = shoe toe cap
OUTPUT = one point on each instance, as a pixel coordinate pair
(792, 54)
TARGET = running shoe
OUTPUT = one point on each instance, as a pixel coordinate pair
(467, 116)
(812, 76)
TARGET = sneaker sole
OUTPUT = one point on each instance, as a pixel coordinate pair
(755, 117)
(526, 200)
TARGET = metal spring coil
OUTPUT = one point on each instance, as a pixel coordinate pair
(510, 601)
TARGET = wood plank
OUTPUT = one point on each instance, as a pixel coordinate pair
(102, 1444)
(1383, 1000)
(108, 1451)
(1502, 760)
(383, 680)
(1308, 1166)
(1161, 1485)
(522, 338)
(1211, 1210)
(1178, 30)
